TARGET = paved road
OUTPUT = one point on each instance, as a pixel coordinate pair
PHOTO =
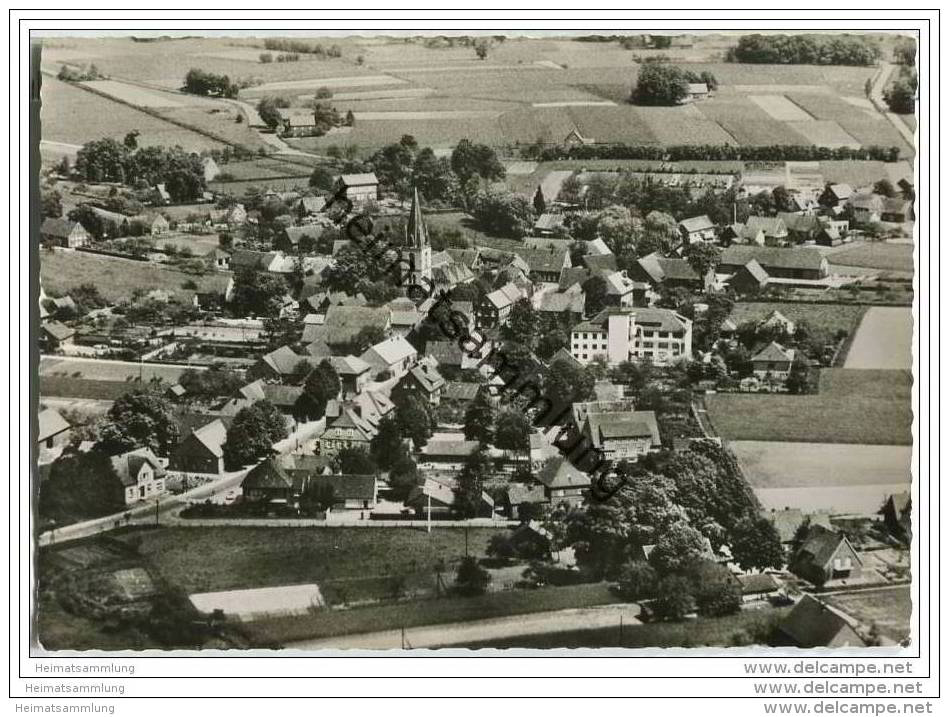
(466, 633)
(876, 97)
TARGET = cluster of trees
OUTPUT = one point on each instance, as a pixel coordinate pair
(402, 165)
(211, 384)
(267, 57)
(900, 97)
(107, 160)
(83, 73)
(320, 386)
(258, 293)
(805, 50)
(139, 418)
(281, 44)
(201, 82)
(715, 152)
(664, 84)
(252, 434)
(504, 213)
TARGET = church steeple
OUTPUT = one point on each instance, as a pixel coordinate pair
(417, 250)
(415, 234)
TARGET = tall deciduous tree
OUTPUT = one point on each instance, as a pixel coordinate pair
(141, 418)
(756, 545)
(415, 420)
(480, 416)
(252, 434)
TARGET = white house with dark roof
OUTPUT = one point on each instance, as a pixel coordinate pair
(495, 308)
(773, 361)
(63, 232)
(623, 435)
(620, 335)
(141, 474)
(697, 229)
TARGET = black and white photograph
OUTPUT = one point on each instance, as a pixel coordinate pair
(418, 341)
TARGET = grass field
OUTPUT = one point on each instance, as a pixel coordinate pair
(117, 278)
(753, 625)
(857, 408)
(68, 387)
(883, 341)
(891, 610)
(877, 255)
(73, 115)
(326, 623)
(349, 564)
(825, 318)
(126, 373)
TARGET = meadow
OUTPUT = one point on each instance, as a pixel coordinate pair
(891, 610)
(825, 318)
(877, 255)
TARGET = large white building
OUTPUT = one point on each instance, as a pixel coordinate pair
(632, 335)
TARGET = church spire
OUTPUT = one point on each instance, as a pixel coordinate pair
(415, 233)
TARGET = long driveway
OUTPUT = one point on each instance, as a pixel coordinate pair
(465, 633)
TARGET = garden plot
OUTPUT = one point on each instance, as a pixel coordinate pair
(747, 122)
(355, 81)
(434, 115)
(780, 108)
(824, 133)
(137, 96)
(678, 125)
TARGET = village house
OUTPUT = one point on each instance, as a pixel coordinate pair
(424, 379)
(835, 195)
(773, 229)
(437, 500)
(697, 229)
(526, 500)
(496, 306)
(623, 435)
(393, 356)
(278, 480)
(563, 482)
(358, 188)
(738, 233)
(342, 325)
(53, 430)
(64, 233)
(866, 208)
(446, 453)
(619, 335)
(308, 207)
(781, 263)
(599, 263)
(897, 210)
(824, 556)
(758, 586)
(814, 623)
(672, 272)
(570, 302)
(545, 265)
(141, 474)
(54, 335)
(201, 451)
(354, 423)
(151, 224)
(353, 372)
(296, 239)
(697, 91)
(773, 362)
(548, 225)
(221, 259)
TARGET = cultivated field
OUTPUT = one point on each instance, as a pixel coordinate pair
(870, 407)
(877, 255)
(824, 476)
(883, 341)
(825, 318)
(120, 372)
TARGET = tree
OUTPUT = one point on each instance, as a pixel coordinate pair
(470, 160)
(716, 591)
(756, 545)
(799, 378)
(595, 292)
(386, 446)
(403, 475)
(673, 598)
(702, 257)
(415, 420)
(432, 175)
(660, 84)
(393, 166)
(523, 323)
(80, 487)
(471, 579)
(321, 386)
(540, 204)
(481, 48)
(660, 234)
(567, 382)
(503, 213)
(102, 160)
(480, 417)
(269, 110)
(513, 431)
(884, 187)
(367, 337)
(680, 544)
(259, 293)
(318, 497)
(252, 434)
(901, 97)
(356, 461)
(469, 485)
(51, 203)
(637, 580)
(139, 418)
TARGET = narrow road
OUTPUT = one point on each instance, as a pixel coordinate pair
(465, 633)
(876, 97)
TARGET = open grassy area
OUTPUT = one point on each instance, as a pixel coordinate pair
(97, 389)
(349, 564)
(865, 407)
(890, 609)
(117, 278)
(329, 623)
(825, 318)
(749, 626)
(877, 255)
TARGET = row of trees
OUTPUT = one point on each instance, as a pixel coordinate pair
(805, 50)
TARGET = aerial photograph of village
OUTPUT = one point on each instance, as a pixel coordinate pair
(425, 341)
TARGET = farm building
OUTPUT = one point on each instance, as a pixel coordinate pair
(773, 361)
(64, 233)
(54, 430)
(814, 623)
(697, 229)
(655, 269)
(437, 499)
(394, 355)
(796, 263)
(54, 335)
(353, 373)
(141, 474)
(201, 451)
(623, 434)
(358, 188)
(496, 306)
(275, 479)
